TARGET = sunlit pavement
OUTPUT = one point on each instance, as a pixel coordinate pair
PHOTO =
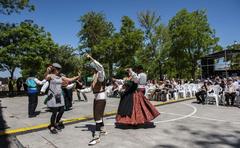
(183, 124)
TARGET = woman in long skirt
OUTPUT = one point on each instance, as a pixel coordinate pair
(134, 108)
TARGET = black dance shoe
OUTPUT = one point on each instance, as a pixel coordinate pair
(60, 126)
(52, 129)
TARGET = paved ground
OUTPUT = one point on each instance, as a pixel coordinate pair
(15, 110)
(183, 124)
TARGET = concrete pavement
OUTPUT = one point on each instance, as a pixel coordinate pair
(180, 125)
(183, 124)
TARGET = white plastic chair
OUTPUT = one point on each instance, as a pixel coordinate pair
(149, 91)
(193, 88)
(214, 94)
(188, 90)
(181, 91)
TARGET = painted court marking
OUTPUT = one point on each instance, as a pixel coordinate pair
(191, 115)
(180, 118)
(162, 121)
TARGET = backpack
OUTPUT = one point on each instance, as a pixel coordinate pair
(31, 83)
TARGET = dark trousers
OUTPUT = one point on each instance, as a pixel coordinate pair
(172, 93)
(32, 103)
(201, 96)
(98, 111)
(230, 96)
(79, 95)
(67, 94)
(57, 113)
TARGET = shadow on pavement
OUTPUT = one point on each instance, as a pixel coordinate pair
(87, 127)
(206, 139)
(6, 94)
(4, 139)
(141, 126)
(165, 146)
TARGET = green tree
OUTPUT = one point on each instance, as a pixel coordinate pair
(235, 58)
(8, 7)
(157, 43)
(24, 45)
(66, 56)
(94, 30)
(192, 37)
(132, 41)
(118, 50)
(109, 52)
(149, 21)
(96, 36)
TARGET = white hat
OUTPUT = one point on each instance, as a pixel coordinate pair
(56, 65)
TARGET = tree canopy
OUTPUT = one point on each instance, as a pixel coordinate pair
(171, 49)
(8, 7)
(29, 47)
(24, 45)
(192, 37)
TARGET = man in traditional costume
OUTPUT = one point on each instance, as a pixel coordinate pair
(98, 88)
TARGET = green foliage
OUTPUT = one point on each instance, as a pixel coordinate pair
(191, 38)
(171, 50)
(157, 44)
(111, 49)
(94, 29)
(149, 21)
(8, 7)
(235, 59)
(132, 41)
(66, 56)
(24, 45)
(96, 37)
(233, 47)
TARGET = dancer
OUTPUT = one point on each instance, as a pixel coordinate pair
(55, 101)
(98, 88)
(80, 87)
(32, 91)
(142, 80)
(134, 108)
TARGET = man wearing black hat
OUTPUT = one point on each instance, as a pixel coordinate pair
(98, 88)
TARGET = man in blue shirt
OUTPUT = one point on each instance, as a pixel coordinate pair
(32, 91)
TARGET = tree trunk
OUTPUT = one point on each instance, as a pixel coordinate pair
(110, 68)
(193, 71)
(12, 73)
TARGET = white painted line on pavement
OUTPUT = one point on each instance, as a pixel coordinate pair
(180, 118)
(163, 121)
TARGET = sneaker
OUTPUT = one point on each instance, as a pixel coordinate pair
(94, 141)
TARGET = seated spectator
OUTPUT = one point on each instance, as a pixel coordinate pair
(170, 88)
(230, 92)
(201, 94)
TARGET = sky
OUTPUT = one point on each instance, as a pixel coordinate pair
(60, 17)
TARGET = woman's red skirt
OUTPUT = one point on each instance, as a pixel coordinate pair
(143, 111)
